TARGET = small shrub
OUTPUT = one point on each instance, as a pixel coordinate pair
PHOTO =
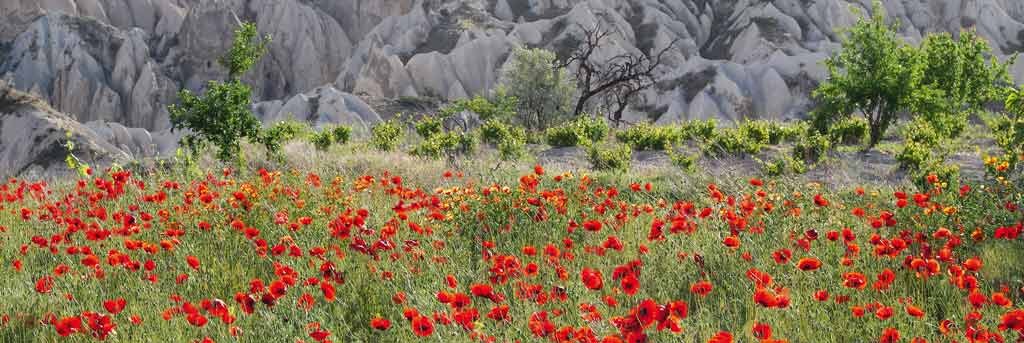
(428, 126)
(849, 131)
(341, 134)
(698, 129)
(582, 131)
(798, 166)
(756, 131)
(645, 136)
(386, 136)
(686, 162)
(448, 144)
(774, 167)
(733, 141)
(914, 155)
(811, 147)
(787, 132)
(277, 134)
(920, 131)
(610, 157)
(509, 140)
(322, 139)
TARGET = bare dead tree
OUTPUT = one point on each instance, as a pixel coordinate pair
(619, 78)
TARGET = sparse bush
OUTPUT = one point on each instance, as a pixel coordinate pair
(509, 140)
(733, 141)
(698, 129)
(277, 134)
(811, 147)
(583, 131)
(341, 134)
(686, 162)
(756, 131)
(645, 136)
(610, 156)
(774, 167)
(428, 126)
(914, 155)
(386, 136)
(849, 131)
(790, 132)
(322, 139)
(920, 131)
(446, 144)
(500, 107)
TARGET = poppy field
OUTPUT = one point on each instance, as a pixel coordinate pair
(293, 256)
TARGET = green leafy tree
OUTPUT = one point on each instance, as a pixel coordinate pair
(875, 74)
(222, 115)
(958, 78)
(543, 90)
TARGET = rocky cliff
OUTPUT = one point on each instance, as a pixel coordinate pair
(121, 61)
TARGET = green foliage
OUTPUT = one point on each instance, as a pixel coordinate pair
(736, 141)
(849, 131)
(322, 139)
(71, 160)
(386, 136)
(508, 139)
(544, 92)
(446, 144)
(646, 136)
(610, 156)
(757, 131)
(341, 134)
(698, 129)
(914, 155)
(686, 162)
(874, 74)
(958, 78)
(330, 135)
(222, 116)
(428, 126)
(811, 147)
(774, 167)
(790, 132)
(246, 50)
(920, 131)
(585, 131)
(499, 107)
(274, 137)
(878, 75)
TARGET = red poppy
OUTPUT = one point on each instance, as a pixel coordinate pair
(721, 337)
(592, 278)
(808, 264)
(44, 285)
(192, 262)
(915, 311)
(380, 323)
(701, 288)
(889, 335)
(630, 284)
(114, 306)
(328, 289)
(422, 326)
(762, 331)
